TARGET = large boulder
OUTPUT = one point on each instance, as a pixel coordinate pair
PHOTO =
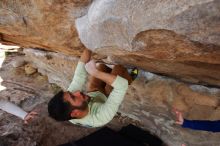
(175, 38)
(115, 23)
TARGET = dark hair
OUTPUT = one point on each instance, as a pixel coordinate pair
(59, 109)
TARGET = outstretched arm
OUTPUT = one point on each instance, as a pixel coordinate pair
(17, 111)
(80, 75)
(12, 109)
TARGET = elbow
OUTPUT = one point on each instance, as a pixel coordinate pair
(124, 85)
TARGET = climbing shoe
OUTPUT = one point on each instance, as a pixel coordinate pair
(134, 73)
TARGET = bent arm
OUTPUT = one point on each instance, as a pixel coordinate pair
(109, 109)
(12, 109)
(106, 112)
(213, 126)
(105, 77)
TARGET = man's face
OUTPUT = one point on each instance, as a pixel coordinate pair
(77, 99)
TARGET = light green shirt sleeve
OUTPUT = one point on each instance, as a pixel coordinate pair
(108, 110)
(12, 109)
(79, 78)
(102, 113)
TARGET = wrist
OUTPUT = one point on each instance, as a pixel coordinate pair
(24, 116)
(183, 122)
(86, 55)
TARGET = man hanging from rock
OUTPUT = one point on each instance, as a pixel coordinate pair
(98, 104)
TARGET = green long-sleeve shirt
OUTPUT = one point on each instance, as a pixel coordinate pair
(101, 109)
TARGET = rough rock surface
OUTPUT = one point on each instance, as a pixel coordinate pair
(166, 53)
(29, 69)
(58, 67)
(150, 99)
(176, 38)
(115, 23)
(150, 102)
(42, 24)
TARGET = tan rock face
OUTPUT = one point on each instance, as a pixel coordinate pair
(169, 37)
(58, 67)
(165, 52)
(42, 24)
(29, 69)
(175, 38)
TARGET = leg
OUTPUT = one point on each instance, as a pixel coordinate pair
(95, 84)
(121, 71)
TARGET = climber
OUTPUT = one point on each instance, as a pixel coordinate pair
(212, 126)
(17, 111)
(97, 105)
